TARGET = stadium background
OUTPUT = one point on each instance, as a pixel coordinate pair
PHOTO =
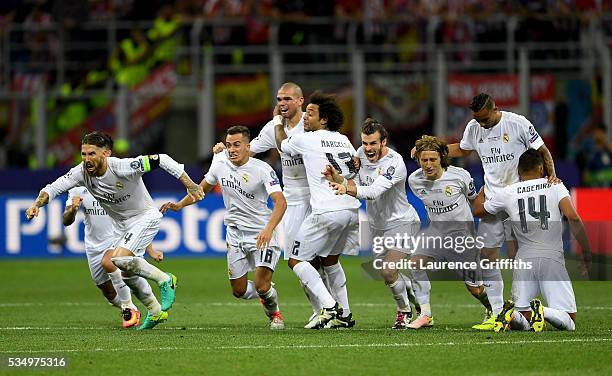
(171, 76)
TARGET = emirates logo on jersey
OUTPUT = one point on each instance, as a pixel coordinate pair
(506, 138)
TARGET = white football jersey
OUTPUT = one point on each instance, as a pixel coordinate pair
(446, 199)
(245, 191)
(120, 191)
(383, 185)
(533, 207)
(500, 148)
(318, 149)
(98, 225)
(294, 174)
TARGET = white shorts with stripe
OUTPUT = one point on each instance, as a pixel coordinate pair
(243, 255)
(139, 234)
(327, 234)
(292, 221)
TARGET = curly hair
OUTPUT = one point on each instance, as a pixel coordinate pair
(431, 143)
(328, 109)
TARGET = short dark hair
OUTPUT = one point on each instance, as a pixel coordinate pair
(371, 126)
(99, 139)
(431, 143)
(236, 129)
(328, 109)
(530, 161)
(481, 101)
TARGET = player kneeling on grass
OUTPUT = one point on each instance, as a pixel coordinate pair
(446, 192)
(246, 183)
(534, 206)
(381, 181)
(99, 239)
(117, 185)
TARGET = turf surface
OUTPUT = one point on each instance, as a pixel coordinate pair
(52, 308)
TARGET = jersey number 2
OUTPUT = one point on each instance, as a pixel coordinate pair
(542, 214)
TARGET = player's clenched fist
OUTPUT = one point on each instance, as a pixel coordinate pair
(76, 202)
(195, 192)
(32, 212)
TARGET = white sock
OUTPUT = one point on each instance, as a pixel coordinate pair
(141, 267)
(144, 293)
(559, 319)
(494, 286)
(519, 322)
(116, 302)
(311, 279)
(410, 290)
(270, 299)
(422, 290)
(337, 283)
(251, 291)
(314, 302)
(398, 290)
(123, 291)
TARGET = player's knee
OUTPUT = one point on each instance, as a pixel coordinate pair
(389, 275)
(316, 262)
(108, 264)
(292, 263)
(124, 262)
(262, 287)
(474, 290)
(238, 291)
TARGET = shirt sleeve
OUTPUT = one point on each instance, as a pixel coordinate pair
(562, 191)
(467, 143)
(468, 187)
(71, 179)
(128, 168)
(211, 176)
(293, 145)
(265, 140)
(270, 180)
(495, 205)
(530, 135)
(391, 176)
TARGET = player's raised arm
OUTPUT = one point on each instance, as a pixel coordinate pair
(280, 205)
(204, 186)
(279, 131)
(549, 164)
(71, 210)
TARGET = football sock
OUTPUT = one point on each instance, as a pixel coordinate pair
(422, 289)
(141, 267)
(337, 283)
(519, 322)
(311, 280)
(494, 287)
(144, 293)
(484, 300)
(123, 291)
(270, 301)
(398, 290)
(559, 319)
(116, 302)
(251, 291)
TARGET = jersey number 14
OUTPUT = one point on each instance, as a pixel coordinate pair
(541, 214)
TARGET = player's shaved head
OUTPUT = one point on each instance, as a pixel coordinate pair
(328, 109)
(99, 139)
(482, 101)
(239, 129)
(292, 86)
(431, 143)
(530, 162)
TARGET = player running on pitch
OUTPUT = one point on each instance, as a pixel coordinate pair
(246, 184)
(117, 185)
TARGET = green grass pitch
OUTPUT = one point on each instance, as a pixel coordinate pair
(52, 308)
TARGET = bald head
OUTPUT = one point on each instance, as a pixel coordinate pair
(293, 87)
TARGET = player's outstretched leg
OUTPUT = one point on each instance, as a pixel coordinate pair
(129, 312)
(137, 265)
